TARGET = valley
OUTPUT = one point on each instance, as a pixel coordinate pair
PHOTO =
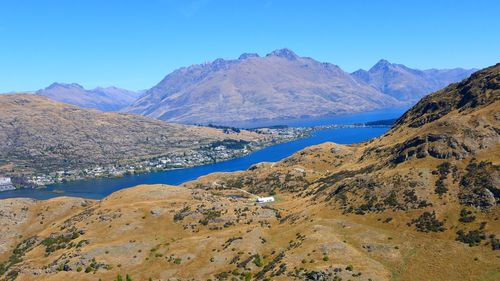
(100, 187)
(419, 202)
(43, 142)
(202, 140)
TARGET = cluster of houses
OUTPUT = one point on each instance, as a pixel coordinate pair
(203, 155)
(6, 184)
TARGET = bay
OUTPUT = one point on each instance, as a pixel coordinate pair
(101, 187)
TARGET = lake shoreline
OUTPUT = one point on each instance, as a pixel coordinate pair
(100, 188)
(320, 131)
(305, 134)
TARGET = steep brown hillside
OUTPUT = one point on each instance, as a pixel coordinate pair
(39, 135)
(419, 203)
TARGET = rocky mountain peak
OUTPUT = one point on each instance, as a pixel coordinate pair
(381, 64)
(56, 85)
(245, 56)
(284, 53)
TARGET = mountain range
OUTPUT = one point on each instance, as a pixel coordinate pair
(279, 85)
(104, 99)
(283, 85)
(407, 84)
(420, 202)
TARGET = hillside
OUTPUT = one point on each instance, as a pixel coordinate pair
(407, 84)
(104, 99)
(279, 85)
(40, 136)
(418, 203)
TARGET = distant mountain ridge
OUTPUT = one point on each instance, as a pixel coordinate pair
(407, 84)
(283, 85)
(279, 85)
(104, 99)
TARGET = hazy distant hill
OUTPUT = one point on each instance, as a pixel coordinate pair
(104, 99)
(407, 84)
(279, 85)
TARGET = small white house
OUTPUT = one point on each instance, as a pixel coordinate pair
(265, 199)
(5, 181)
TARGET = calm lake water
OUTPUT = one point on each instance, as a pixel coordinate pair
(99, 188)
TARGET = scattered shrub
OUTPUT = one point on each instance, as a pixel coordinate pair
(427, 222)
(258, 261)
(466, 216)
(495, 242)
(473, 237)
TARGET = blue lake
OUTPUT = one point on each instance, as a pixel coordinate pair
(99, 188)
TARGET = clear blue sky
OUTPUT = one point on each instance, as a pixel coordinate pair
(134, 44)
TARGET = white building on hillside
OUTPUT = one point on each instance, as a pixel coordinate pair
(6, 184)
(265, 199)
(5, 181)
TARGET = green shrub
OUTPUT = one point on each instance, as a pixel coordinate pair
(495, 242)
(181, 214)
(209, 216)
(428, 222)
(473, 237)
(441, 188)
(258, 261)
(466, 216)
(477, 183)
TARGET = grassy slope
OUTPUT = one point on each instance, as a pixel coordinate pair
(335, 201)
(38, 134)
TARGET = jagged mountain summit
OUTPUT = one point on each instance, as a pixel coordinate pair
(421, 202)
(407, 84)
(104, 99)
(278, 85)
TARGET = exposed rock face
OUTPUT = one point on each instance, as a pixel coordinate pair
(279, 85)
(407, 84)
(104, 99)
